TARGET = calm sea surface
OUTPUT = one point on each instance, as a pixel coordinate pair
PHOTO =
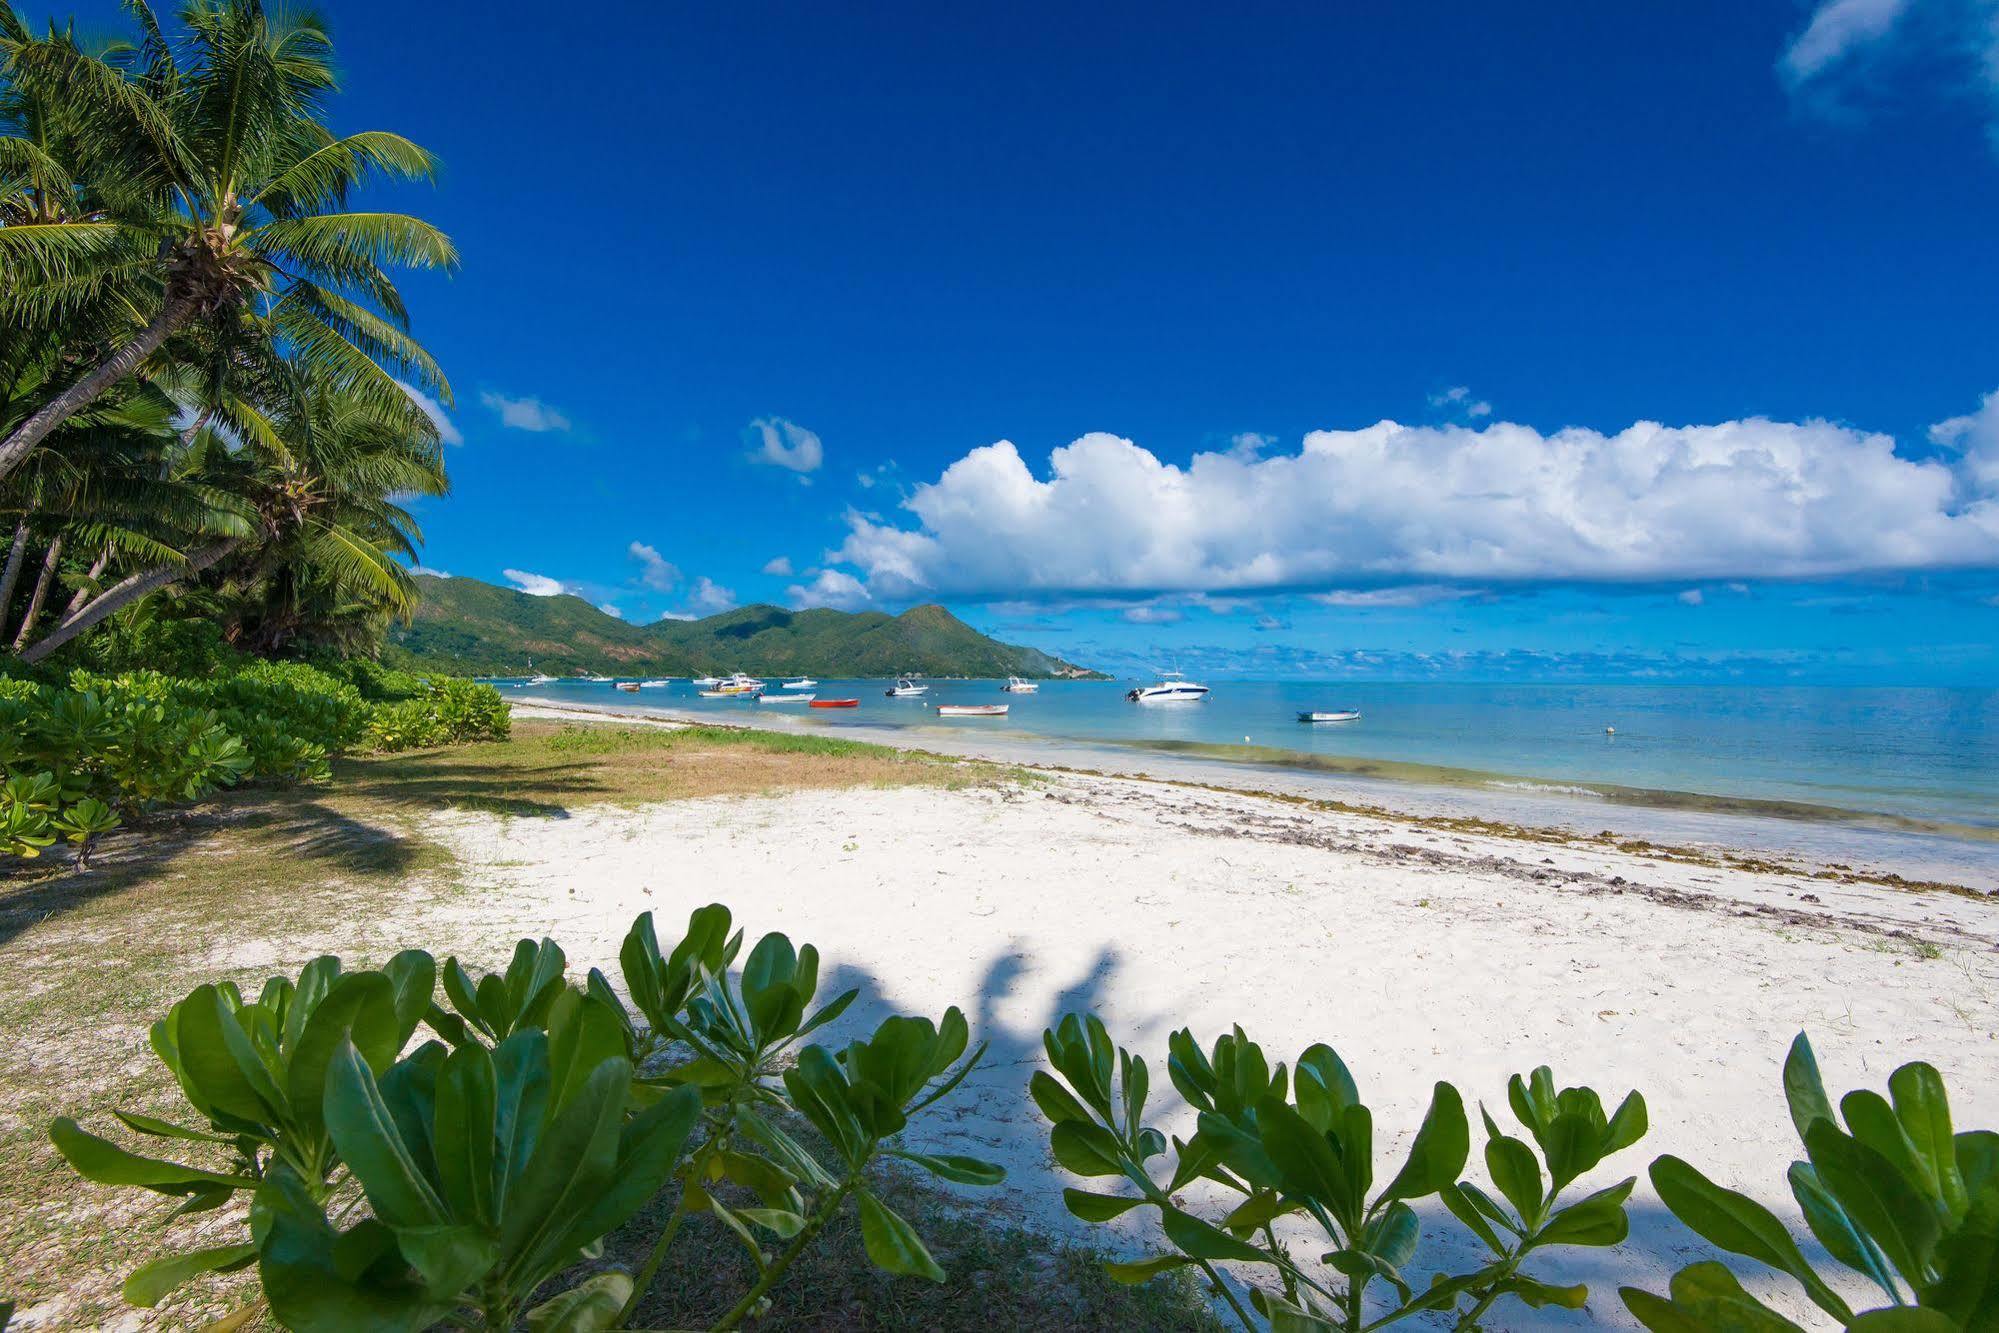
(1923, 754)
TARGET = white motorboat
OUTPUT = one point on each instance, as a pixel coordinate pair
(805, 698)
(905, 688)
(748, 696)
(802, 683)
(540, 680)
(1173, 688)
(971, 710)
(1015, 685)
(655, 684)
(738, 683)
(1334, 715)
(706, 682)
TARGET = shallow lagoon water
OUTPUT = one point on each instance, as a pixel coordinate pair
(1927, 756)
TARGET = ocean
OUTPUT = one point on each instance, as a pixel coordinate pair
(1918, 759)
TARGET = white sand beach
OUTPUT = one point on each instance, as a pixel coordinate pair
(1419, 952)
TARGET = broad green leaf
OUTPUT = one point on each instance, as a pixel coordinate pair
(1391, 1237)
(1804, 1090)
(1872, 1121)
(572, 1166)
(1740, 1225)
(467, 1123)
(1437, 1157)
(1097, 1207)
(782, 1221)
(359, 1008)
(149, 1282)
(166, 1129)
(1627, 1126)
(819, 1092)
(108, 1164)
(1322, 1086)
(1905, 1319)
(1536, 1294)
(1881, 1202)
(1517, 1173)
(892, 1244)
(1086, 1149)
(1595, 1219)
(1923, 1107)
(450, 1258)
(413, 974)
(589, 1307)
(369, 1142)
(1192, 1236)
(1706, 1298)
(649, 1149)
(1461, 1207)
(1833, 1229)
(1144, 1270)
(956, 1169)
(1056, 1102)
(1306, 1163)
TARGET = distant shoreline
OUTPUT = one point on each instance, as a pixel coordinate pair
(1827, 839)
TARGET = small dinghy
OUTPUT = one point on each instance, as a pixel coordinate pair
(971, 710)
(629, 686)
(785, 699)
(747, 696)
(836, 703)
(1336, 715)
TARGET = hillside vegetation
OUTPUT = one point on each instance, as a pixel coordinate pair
(466, 626)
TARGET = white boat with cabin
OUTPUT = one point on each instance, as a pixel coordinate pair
(802, 683)
(905, 688)
(1015, 685)
(1172, 688)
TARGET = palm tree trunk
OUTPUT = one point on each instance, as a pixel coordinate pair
(126, 591)
(82, 594)
(113, 369)
(34, 611)
(15, 554)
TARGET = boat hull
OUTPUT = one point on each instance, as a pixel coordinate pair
(971, 710)
(836, 703)
(1340, 715)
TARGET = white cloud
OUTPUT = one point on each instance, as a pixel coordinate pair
(1154, 614)
(778, 565)
(1458, 399)
(709, 597)
(433, 409)
(1393, 504)
(842, 592)
(535, 585)
(1974, 436)
(1249, 444)
(529, 414)
(434, 573)
(655, 571)
(1845, 42)
(1692, 597)
(1837, 29)
(1421, 594)
(785, 444)
(612, 611)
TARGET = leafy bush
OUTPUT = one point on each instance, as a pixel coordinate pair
(1300, 1145)
(80, 755)
(1896, 1196)
(496, 1159)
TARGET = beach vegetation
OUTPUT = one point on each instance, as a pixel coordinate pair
(474, 1178)
(1295, 1148)
(1889, 1190)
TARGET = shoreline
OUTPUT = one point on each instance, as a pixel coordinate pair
(1840, 850)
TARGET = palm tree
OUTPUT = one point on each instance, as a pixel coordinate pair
(204, 189)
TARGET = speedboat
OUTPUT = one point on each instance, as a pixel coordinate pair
(706, 682)
(802, 683)
(738, 683)
(539, 679)
(805, 698)
(1173, 688)
(1015, 685)
(1336, 715)
(905, 688)
(655, 684)
(744, 695)
(971, 710)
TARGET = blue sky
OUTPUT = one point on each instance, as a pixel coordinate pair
(751, 295)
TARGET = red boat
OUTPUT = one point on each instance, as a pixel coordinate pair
(835, 703)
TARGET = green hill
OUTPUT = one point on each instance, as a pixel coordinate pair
(476, 628)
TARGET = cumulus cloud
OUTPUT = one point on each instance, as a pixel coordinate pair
(842, 592)
(1250, 444)
(1975, 437)
(778, 565)
(1415, 595)
(535, 585)
(655, 571)
(434, 573)
(611, 611)
(1392, 504)
(1151, 614)
(1692, 597)
(784, 444)
(709, 597)
(1457, 399)
(433, 409)
(530, 414)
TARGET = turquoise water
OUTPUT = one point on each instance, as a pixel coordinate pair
(1922, 754)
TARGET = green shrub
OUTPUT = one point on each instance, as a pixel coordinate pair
(498, 1158)
(1896, 1196)
(1300, 1144)
(140, 739)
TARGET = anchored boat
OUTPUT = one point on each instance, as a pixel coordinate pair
(1015, 685)
(1335, 715)
(836, 703)
(971, 710)
(905, 688)
(1173, 688)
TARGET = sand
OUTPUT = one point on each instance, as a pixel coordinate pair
(1419, 954)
